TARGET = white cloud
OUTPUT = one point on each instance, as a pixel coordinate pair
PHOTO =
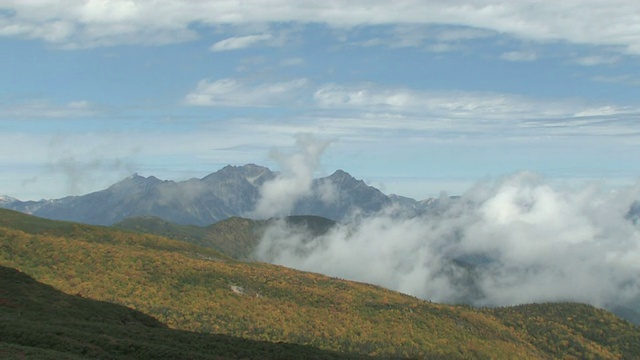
(279, 196)
(100, 22)
(235, 93)
(235, 43)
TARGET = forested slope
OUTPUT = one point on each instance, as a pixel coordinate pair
(198, 289)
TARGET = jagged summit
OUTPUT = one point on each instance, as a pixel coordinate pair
(250, 172)
(137, 177)
(340, 174)
(136, 181)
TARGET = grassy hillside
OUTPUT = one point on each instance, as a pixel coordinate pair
(38, 321)
(198, 289)
(235, 237)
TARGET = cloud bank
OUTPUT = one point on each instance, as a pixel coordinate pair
(510, 241)
(93, 23)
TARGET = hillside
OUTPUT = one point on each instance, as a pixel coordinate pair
(198, 289)
(570, 330)
(235, 237)
(38, 321)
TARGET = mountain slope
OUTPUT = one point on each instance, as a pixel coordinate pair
(231, 191)
(570, 330)
(38, 321)
(338, 195)
(235, 237)
(194, 288)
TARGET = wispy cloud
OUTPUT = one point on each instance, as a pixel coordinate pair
(45, 109)
(235, 43)
(429, 36)
(519, 56)
(235, 93)
(618, 79)
(594, 60)
(370, 108)
(295, 61)
(455, 104)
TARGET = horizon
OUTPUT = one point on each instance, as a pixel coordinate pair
(415, 98)
(385, 187)
(146, 176)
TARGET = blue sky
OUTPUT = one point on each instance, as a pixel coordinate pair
(416, 97)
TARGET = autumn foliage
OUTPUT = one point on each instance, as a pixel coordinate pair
(198, 289)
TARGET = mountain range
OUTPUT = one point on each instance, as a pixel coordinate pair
(231, 191)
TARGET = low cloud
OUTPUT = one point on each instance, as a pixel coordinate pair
(80, 166)
(80, 174)
(279, 196)
(515, 240)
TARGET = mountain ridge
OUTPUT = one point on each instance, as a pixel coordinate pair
(230, 191)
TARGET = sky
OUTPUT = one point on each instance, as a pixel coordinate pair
(414, 97)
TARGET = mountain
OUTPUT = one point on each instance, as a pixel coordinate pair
(231, 191)
(191, 288)
(338, 195)
(6, 200)
(634, 212)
